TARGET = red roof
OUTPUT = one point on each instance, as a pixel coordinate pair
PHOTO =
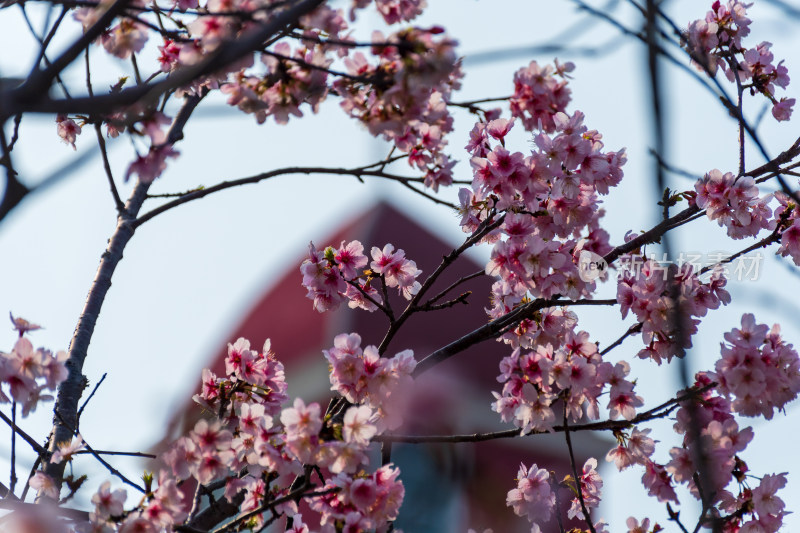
(454, 397)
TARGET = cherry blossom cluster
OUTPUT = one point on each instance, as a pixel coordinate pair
(644, 291)
(758, 370)
(29, 373)
(403, 97)
(534, 381)
(734, 203)
(393, 11)
(159, 510)
(249, 440)
(633, 448)
(292, 78)
(363, 376)
(400, 93)
(721, 442)
(551, 205)
(590, 486)
(362, 503)
(548, 326)
(540, 93)
(716, 42)
(721, 439)
(122, 40)
(534, 497)
(561, 177)
(251, 376)
(337, 275)
(789, 216)
(258, 449)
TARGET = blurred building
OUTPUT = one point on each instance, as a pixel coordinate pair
(449, 487)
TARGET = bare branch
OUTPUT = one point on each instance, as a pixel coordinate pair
(661, 411)
(70, 390)
(202, 193)
(38, 448)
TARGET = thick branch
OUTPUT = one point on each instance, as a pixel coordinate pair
(18, 100)
(495, 328)
(69, 392)
(39, 81)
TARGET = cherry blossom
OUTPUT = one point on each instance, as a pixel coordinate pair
(589, 484)
(758, 370)
(363, 376)
(717, 42)
(396, 269)
(539, 94)
(369, 502)
(533, 497)
(44, 485)
(150, 166)
(108, 503)
(734, 203)
(356, 426)
(30, 372)
(66, 450)
(68, 130)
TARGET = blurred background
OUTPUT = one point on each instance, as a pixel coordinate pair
(191, 276)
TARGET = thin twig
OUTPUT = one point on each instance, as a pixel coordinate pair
(86, 402)
(674, 516)
(460, 299)
(38, 448)
(430, 197)
(289, 497)
(586, 517)
(15, 133)
(110, 452)
(483, 229)
(634, 329)
(34, 468)
(455, 284)
(373, 301)
(101, 142)
(13, 447)
(202, 193)
(103, 462)
(763, 243)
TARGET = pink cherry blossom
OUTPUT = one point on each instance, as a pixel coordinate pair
(151, 165)
(357, 426)
(66, 450)
(397, 271)
(782, 110)
(533, 497)
(68, 130)
(758, 370)
(108, 503)
(44, 485)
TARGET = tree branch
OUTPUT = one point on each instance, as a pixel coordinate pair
(660, 411)
(70, 390)
(202, 193)
(21, 99)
